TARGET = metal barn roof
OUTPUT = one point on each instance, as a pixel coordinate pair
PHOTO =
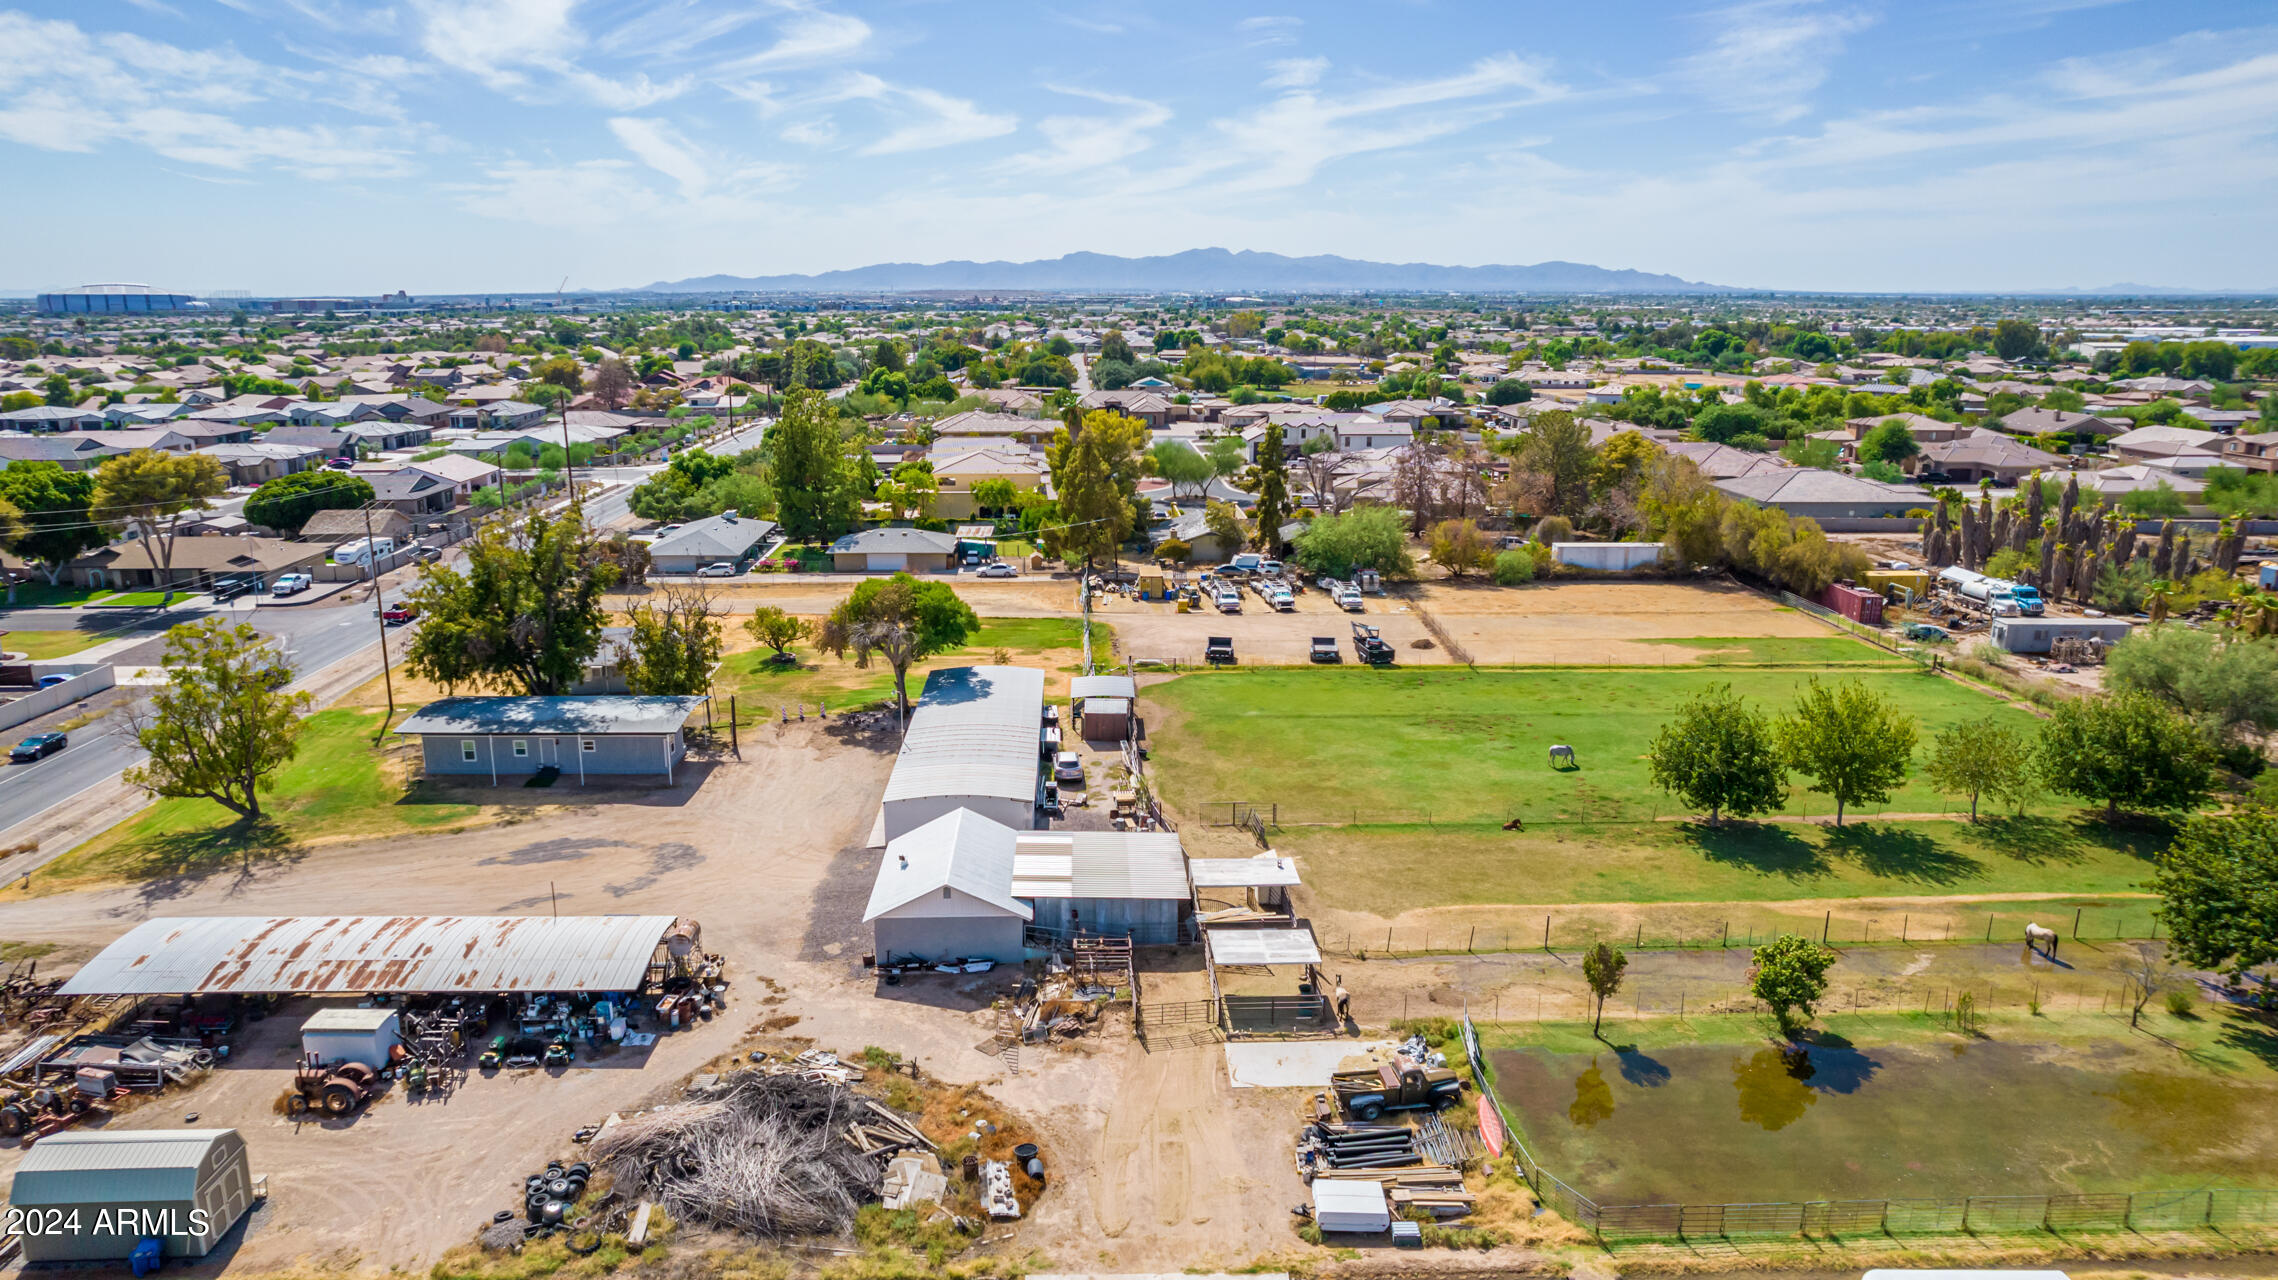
(1099, 864)
(974, 733)
(591, 715)
(1236, 945)
(1242, 873)
(353, 954)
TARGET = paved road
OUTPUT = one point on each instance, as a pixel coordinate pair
(311, 637)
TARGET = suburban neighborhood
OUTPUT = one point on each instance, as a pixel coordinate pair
(1008, 743)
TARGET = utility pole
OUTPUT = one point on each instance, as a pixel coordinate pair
(379, 610)
(569, 468)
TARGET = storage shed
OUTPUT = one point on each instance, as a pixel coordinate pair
(351, 1035)
(2039, 635)
(188, 1187)
(614, 735)
(944, 892)
(971, 745)
(1606, 557)
(1117, 884)
(1103, 705)
(1355, 1205)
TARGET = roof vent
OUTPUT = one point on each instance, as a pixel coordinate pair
(904, 859)
(729, 516)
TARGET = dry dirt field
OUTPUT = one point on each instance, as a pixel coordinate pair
(766, 853)
(1597, 623)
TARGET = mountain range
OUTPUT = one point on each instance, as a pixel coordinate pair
(1213, 271)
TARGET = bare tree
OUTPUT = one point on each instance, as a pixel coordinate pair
(2147, 973)
(1320, 467)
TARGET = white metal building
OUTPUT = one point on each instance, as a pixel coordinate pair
(971, 745)
(944, 891)
(352, 1035)
(1113, 883)
(2038, 635)
(1607, 556)
(189, 1186)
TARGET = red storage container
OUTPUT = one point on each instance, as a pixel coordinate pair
(1856, 603)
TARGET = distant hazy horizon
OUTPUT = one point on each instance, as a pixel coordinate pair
(464, 146)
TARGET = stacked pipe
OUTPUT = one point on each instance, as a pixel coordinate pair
(1329, 1145)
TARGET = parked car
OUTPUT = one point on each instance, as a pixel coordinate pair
(340, 464)
(1068, 767)
(400, 612)
(719, 569)
(38, 747)
(423, 554)
(230, 588)
(51, 681)
(1325, 649)
(291, 584)
(999, 570)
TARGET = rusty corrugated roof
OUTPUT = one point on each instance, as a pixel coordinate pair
(353, 954)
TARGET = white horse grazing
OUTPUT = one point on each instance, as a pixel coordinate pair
(1561, 752)
(2041, 939)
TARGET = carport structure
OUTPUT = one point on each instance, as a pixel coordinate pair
(1247, 956)
(351, 955)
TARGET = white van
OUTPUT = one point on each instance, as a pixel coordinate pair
(363, 550)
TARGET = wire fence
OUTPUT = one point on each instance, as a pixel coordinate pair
(2198, 1209)
(1589, 807)
(1684, 927)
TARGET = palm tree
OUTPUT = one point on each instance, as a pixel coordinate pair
(2156, 593)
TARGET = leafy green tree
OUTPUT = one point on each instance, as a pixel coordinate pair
(1225, 523)
(675, 643)
(287, 502)
(1273, 488)
(2218, 891)
(52, 505)
(1555, 448)
(899, 620)
(1789, 974)
(223, 723)
(1983, 757)
(770, 625)
(1459, 547)
(1509, 391)
(1719, 754)
(1365, 538)
(1189, 472)
(2226, 683)
(1602, 967)
(1889, 442)
(2128, 750)
(818, 488)
(524, 614)
(1095, 465)
(1853, 743)
(149, 492)
(2016, 339)
(995, 494)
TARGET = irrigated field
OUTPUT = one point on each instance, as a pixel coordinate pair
(1463, 746)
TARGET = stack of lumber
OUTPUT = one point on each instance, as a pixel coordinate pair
(884, 1133)
(1436, 1189)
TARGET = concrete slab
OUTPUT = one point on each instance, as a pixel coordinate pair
(1296, 1064)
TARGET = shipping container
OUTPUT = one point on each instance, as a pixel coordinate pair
(1856, 603)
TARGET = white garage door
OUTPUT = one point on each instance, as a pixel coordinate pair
(891, 563)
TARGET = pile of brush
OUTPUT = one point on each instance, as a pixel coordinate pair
(767, 1154)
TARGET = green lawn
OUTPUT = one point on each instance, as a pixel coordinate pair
(36, 595)
(338, 785)
(140, 599)
(1446, 745)
(760, 683)
(47, 646)
(1387, 870)
(1812, 651)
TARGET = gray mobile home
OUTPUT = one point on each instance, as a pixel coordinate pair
(583, 737)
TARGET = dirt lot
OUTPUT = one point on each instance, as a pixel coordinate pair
(766, 854)
(1552, 622)
(1038, 596)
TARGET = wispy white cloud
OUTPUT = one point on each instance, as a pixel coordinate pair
(1295, 73)
(158, 8)
(821, 131)
(1765, 57)
(1269, 29)
(809, 38)
(1077, 143)
(924, 119)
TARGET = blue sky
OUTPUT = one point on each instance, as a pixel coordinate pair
(356, 146)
